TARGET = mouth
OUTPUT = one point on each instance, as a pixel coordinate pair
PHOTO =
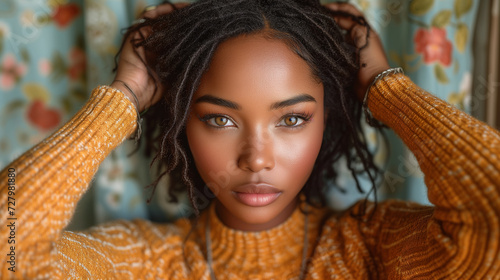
(256, 195)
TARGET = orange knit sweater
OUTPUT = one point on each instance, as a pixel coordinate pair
(456, 239)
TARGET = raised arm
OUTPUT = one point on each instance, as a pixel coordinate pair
(460, 158)
(50, 178)
(40, 189)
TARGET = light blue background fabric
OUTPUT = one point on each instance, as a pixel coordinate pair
(53, 53)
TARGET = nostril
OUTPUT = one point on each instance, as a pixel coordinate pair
(256, 152)
(255, 160)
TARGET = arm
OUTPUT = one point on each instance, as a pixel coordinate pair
(51, 177)
(460, 157)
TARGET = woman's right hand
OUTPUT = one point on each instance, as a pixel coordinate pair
(131, 69)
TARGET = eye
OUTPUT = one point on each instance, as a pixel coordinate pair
(217, 121)
(293, 120)
(221, 121)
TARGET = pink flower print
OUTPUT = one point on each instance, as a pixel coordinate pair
(44, 67)
(10, 72)
(434, 45)
(7, 81)
(9, 62)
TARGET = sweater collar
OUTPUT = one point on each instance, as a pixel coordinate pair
(261, 252)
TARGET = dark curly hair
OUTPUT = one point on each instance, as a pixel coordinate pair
(179, 51)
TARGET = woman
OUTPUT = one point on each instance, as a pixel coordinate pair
(261, 113)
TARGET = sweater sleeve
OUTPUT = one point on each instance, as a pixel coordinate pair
(460, 159)
(40, 189)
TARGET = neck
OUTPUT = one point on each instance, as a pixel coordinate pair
(233, 222)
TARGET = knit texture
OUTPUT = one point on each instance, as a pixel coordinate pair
(456, 239)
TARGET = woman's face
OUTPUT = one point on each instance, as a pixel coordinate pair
(255, 130)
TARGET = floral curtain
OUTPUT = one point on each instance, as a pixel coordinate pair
(53, 53)
(432, 41)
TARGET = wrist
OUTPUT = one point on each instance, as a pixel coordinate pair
(390, 71)
(130, 95)
(130, 92)
(123, 89)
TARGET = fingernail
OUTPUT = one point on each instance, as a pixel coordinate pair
(149, 8)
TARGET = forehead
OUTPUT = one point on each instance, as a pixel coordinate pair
(254, 65)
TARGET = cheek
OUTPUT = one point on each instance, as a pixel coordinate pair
(298, 155)
(212, 153)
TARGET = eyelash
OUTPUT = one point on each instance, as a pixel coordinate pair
(208, 117)
(306, 118)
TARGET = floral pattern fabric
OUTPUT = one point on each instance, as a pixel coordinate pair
(52, 53)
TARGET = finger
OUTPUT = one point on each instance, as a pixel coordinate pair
(346, 15)
(162, 9)
(358, 35)
(344, 7)
(154, 11)
(346, 23)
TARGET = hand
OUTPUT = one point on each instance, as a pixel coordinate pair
(131, 68)
(372, 58)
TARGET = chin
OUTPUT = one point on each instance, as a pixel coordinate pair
(239, 216)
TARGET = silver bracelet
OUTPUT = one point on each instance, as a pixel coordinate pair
(137, 135)
(368, 114)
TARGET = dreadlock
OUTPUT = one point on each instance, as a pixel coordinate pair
(179, 51)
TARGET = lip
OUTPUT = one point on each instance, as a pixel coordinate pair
(256, 195)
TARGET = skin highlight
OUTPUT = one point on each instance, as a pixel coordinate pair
(256, 117)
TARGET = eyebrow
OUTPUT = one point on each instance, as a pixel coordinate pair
(277, 105)
(292, 101)
(217, 101)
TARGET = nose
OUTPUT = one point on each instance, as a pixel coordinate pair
(256, 153)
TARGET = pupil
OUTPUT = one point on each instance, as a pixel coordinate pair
(221, 120)
(291, 120)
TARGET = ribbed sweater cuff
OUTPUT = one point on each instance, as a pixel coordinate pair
(388, 95)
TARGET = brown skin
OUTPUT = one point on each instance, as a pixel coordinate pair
(256, 143)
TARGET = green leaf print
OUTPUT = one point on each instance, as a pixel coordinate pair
(461, 37)
(25, 55)
(462, 7)
(59, 67)
(420, 7)
(11, 108)
(440, 74)
(442, 19)
(36, 91)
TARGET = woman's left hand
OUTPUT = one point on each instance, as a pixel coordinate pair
(372, 58)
